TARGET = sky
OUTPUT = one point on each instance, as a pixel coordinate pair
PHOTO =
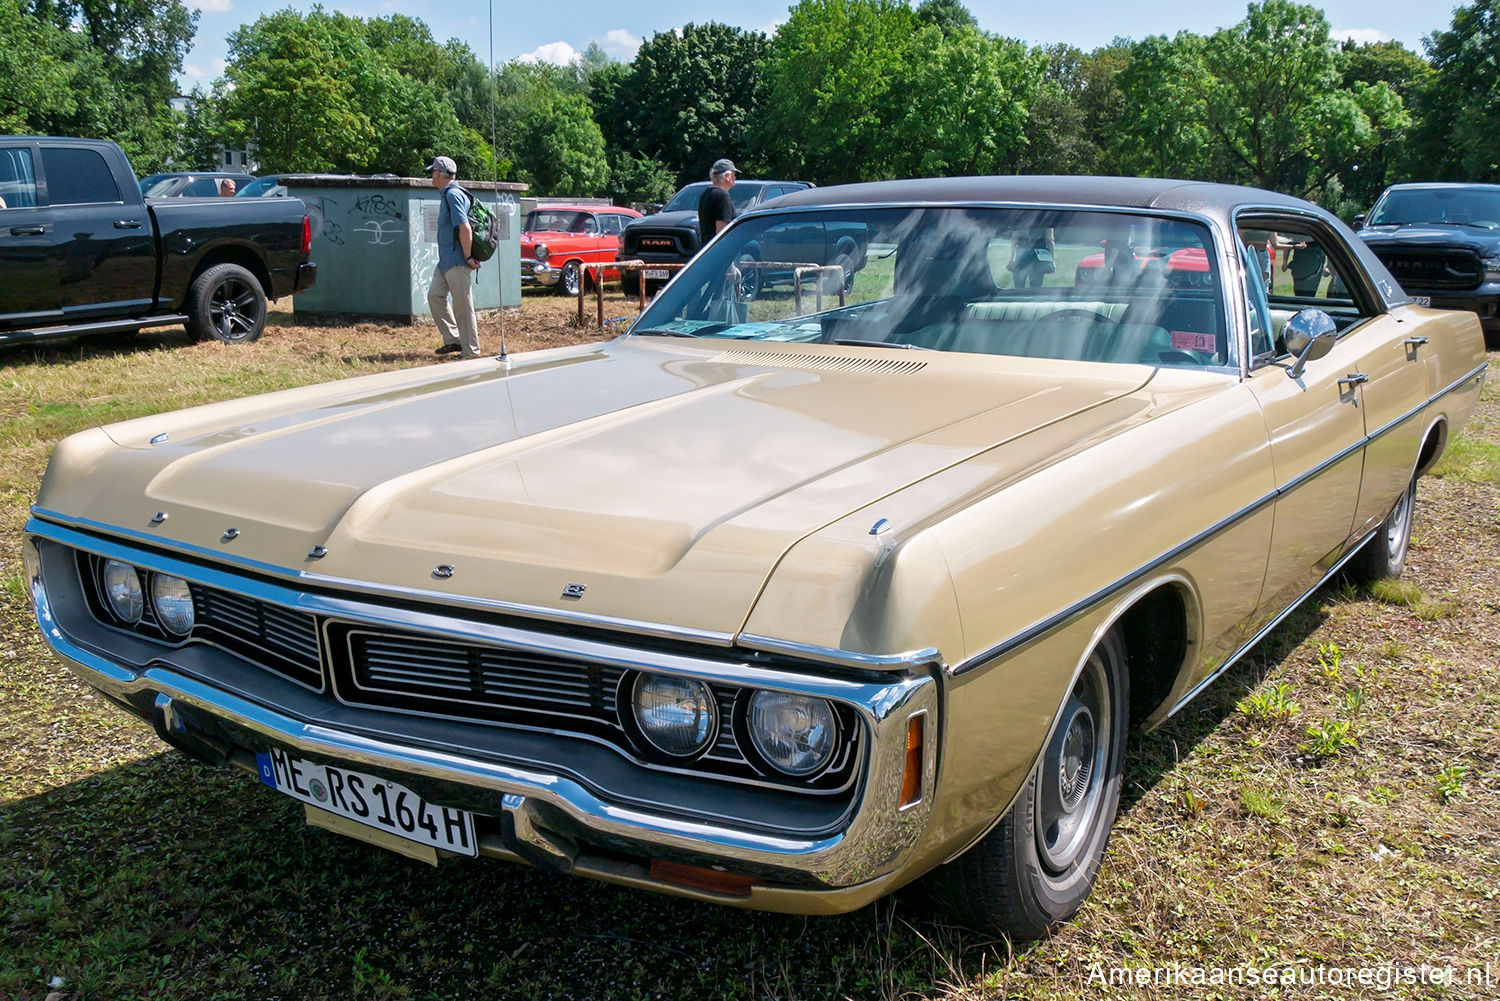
(556, 31)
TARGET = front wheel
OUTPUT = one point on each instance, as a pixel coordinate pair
(1037, 866)
(226, 303)
(1384, 555)
(570, 280)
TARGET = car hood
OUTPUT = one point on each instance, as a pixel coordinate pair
(667, 220)
(1432, 235)
(666, 477)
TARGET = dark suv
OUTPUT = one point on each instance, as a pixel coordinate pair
(671, 236)
(1442, 243)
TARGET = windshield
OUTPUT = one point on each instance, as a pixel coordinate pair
(262, 187)
(686, 200)
(1453, 206)
(552, 220)
(1050, 283)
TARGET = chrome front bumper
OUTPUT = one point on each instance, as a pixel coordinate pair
(534, 272)
(547, 818)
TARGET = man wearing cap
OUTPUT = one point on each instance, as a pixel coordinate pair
(455, 268)
(715, 210)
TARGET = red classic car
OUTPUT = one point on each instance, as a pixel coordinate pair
(558, 239)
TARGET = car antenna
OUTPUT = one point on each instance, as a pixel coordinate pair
(495, 178)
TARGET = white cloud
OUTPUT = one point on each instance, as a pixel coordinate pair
(199, 74)
(557, 53)
(770, 29)
(620, 43)
(1359, 36)
(216, 6)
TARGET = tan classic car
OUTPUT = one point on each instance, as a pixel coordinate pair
(781, 602)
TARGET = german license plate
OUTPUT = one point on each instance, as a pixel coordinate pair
(656, 273)
(1422, 300)
(375, 802)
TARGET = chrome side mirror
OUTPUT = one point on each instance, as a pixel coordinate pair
(1309, 336)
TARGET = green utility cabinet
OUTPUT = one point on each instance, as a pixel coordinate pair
(374, 240)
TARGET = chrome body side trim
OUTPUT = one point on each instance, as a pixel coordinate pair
(1039, 629)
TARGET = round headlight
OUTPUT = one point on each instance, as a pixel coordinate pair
(122, 589)
(796, 734)
(173, 602)
(541, 252)
(678, 717)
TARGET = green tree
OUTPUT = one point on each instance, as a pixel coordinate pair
(36, 70)
(329, 92)
(831, 81)
(561, 149)
(686, 99)
(1459, 104)
(1263, 102)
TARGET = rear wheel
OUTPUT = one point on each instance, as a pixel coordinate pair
(1384, 555)
(630, 283)
(1037, 866)
(226, 303)
(750, 277)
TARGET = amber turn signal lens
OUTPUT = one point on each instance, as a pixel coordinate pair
(697, 878)
(911, 781)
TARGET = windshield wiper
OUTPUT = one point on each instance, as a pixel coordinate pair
(665, 333)
(854, 342)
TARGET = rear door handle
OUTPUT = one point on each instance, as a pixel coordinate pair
(127, 224)
(27, 230)
(1354, 380)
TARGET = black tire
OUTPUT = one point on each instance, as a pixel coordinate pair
(844, 260)
(1037, 866)
(226, 303)
(1384, 555)
(630, 283)
(570, 279)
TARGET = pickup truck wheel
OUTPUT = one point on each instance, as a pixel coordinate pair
(1384, 555)
(570, 279)
(1037, 866)
(630, 283)
(227, 304)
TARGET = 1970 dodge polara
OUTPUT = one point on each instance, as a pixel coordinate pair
(781, 600)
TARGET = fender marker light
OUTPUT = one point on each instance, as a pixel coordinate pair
(911, 781)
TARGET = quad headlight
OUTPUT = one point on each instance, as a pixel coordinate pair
(677, 716)
(1491, 269)
(541, 252)
(795, 734)
(173, 602)
(122, 590)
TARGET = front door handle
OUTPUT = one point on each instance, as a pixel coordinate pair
(27, 230)
(127, 224)
(1354, 380)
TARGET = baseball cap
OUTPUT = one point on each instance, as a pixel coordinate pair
(443, 163)
(724, 166)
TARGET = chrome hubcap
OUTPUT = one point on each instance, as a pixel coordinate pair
(1070, 784)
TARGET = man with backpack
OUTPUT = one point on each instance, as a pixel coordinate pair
(456, 265)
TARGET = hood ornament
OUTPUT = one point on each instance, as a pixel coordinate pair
(230, 534)
(317, 553)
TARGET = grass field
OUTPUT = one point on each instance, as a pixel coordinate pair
(1330, 804)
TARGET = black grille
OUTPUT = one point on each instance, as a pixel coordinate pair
(254, 629)
(395, 670)
(1419, 269)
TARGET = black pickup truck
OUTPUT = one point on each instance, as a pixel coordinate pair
(81, 252)
(1442, 243)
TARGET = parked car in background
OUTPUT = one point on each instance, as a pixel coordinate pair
(671, 236)
(557, 240)
(82, 252)
(269, 186)
(770, 603)
(1442, 243)
(192, 184)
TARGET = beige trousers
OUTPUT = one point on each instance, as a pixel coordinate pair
(459, 283)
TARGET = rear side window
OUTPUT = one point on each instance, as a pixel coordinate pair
(78, 176)
(17, 179)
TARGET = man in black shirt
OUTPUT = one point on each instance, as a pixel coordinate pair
(715, 210)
